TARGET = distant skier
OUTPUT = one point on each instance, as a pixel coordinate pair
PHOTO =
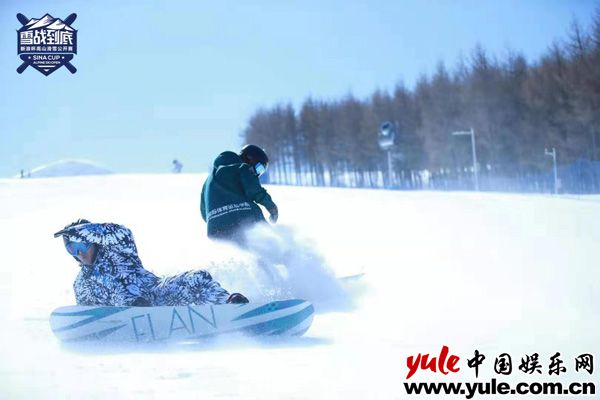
(113, 275)
(177, 166)
(232, 192)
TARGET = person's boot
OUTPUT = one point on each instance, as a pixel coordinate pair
(237, 298)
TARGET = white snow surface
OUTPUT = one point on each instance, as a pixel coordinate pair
(64, 168)
(493, 272)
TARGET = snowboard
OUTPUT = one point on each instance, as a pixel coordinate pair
(180, 323)
(351, 278)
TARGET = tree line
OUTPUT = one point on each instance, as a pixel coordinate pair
(516, 108)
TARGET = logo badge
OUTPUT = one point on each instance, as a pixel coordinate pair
(47, 43)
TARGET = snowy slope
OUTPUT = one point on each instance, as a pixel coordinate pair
(67, 168)
(493, 272)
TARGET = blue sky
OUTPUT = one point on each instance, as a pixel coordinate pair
(159, 80)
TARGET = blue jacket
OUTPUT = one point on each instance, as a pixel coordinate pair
(118, 278)
(230, 197)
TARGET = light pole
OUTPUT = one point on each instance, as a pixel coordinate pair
(475, 174)
(594, 145)
(553, 155)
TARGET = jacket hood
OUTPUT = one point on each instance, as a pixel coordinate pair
(227, 158)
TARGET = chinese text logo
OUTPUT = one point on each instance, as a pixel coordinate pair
(47, 43)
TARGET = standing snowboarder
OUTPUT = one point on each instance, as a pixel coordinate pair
(112, 274)
(232, 192)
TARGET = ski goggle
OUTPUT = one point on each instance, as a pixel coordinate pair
(260, 168)
(74, 248)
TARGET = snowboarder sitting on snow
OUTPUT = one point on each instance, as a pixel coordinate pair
(112, 273)
(232, 192)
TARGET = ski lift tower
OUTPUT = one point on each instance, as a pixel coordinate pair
(387, 138)
(553, 155)
(471, 133)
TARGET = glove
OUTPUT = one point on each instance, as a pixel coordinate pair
(141, 302)
(274, 211)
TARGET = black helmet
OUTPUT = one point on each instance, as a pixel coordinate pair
(252, 154)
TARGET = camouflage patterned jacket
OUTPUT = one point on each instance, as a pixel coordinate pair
(118, 278)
